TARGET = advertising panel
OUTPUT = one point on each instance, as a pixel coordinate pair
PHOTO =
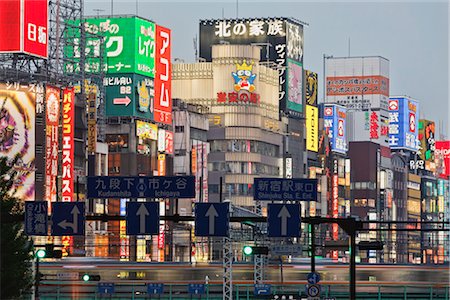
(161, 140)
(442, 153)
(163, 79)
(403, 123)
(146, 133)
(129, 95)
(161, 165)
(130, 44)
(312, 128)
(24, 27)
(17, 133)
(294, 80)
(335, 117)
(52, 99)
(311, 88)
(357, 85)
(427, 140)
(279, 39)
(92, 121)
(68, 129)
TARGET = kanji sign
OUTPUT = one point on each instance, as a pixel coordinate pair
(403, 121)
(335, 117)
(68, 131)
(36, 217)
(295, 189)
(163, 79)
(106, 187)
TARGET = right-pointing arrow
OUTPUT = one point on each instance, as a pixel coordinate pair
(142, 212)
(284, 215)
(211, 213)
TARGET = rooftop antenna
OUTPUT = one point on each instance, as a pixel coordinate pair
(137, 7)
(98, 10)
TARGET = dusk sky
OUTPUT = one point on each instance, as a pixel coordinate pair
(412, 35)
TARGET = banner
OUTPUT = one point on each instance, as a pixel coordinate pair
(52, 100)
(163, 91)
(68, 111)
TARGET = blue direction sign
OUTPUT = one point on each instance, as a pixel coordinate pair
(155, 288)
(313, 278)
(142, 218)
(295, 189)
(105, 187)
(283, 220)
(36, 220)
(105, 288)
(196, 288)
(262, 289)
(211, 219)
(68, 218)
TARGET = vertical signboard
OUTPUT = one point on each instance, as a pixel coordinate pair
(68, 122)
(335, 204)
(312, 128)
(294, 80)
(427, 130)
(24, 27)
(442, 153)
(403, 123)
(161, 164)
(161, 140)
(17, 130)
(311, 88)
(52, 100)
(335, 125)
(169, 142)
(163, 85)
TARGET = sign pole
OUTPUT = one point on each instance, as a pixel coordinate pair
(313, 249)
(353, 265)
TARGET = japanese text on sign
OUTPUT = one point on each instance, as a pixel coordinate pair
(285, 189)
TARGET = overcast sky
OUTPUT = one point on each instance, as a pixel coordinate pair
(412, 35)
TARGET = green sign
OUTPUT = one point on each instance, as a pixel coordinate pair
(129, 95)
(294, 86)
(129, 45)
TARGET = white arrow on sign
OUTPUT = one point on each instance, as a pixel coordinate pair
(121, 101)
(74, 225)
(211, 214)
(284, 215)
(142, 212)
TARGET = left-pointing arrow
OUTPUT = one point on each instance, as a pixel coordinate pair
(142, 212)
(122, 101)
(74, 225)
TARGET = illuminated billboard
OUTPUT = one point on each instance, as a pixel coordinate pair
(163, 79)
(129, 45)
(442, 153)
(427, 141)
(24, 27)
(52, 100)
(17, 134)
(68, 145)
(147, 136)
(279, 38)
(335, 119)
(403, 123)
(129, 95)
(311, 88)
(294, 81)
(312, 128)
(357, 85)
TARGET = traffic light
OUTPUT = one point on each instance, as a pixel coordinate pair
(41, 253)
(89, 277)
(48, 252)
(252, 250)
(370, 245)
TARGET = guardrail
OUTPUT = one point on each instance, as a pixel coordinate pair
(78, 290)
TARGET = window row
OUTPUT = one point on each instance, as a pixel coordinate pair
(244, 168)
(245, 146)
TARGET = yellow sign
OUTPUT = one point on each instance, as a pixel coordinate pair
(312, 128)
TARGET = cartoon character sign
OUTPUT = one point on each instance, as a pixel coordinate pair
(244, 78)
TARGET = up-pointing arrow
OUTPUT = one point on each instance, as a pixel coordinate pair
(284, 215)
(74, 225)
(142, 212)
(211, 214)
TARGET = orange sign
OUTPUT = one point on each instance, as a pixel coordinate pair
(161, 165)
(357, 85)
(194, 161)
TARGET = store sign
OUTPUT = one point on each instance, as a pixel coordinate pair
(357, 85)
(68, 129)
(92, 121)
(335, 204)
(161, 165)
(403, 129)
(335, 117)
(442, 154)
(52, 99)
(311, 88)
(129, 95)
(24, 27)
(169, 142)
(161, 140)
(427, 140)
(145, 130)
(163, 79)
(288, 167)
(312, 128)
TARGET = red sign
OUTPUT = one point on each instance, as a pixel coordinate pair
(24, 27)
(412, 122)
(340, 127)
(161, 236)
(169, 142)
(393, 104)
(68, 110)
(163, 77)
(328, 111)
(238, 97)
(51, 143)
(10, 26)
(442, 152)
(374, 126)
(357, 85)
